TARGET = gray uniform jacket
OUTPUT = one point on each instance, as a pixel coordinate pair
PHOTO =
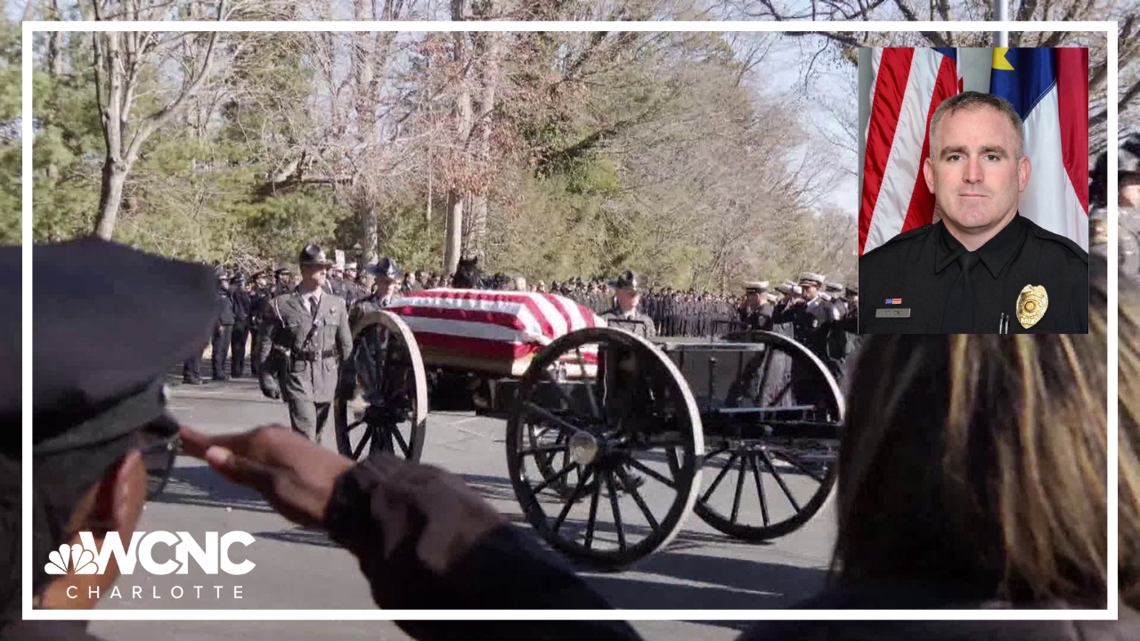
(304, 354)
(615, 314)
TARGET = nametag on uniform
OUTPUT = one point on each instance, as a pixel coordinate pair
(893, 312)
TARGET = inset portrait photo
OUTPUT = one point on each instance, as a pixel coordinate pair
(974, 198)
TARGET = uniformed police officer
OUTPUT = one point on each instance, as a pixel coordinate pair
(243, 308)
(223, 329)
(983, 268)
(259, 303)
(756, 312)
(627, 295)
(811, 319)
(307, 335)
(386, 274)
(282, 282)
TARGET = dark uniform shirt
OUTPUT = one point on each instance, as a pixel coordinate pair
(758, 319)
(225, 308)
(917, 270)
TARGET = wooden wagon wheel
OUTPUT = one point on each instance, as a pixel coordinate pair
(381, 401)
(785, 475)
(626, 433)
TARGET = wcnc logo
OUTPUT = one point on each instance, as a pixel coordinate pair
(91, 559)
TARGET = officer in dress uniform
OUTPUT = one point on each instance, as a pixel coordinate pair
(243, 308)
(627, 294)
(282, 282)
(811, 318)
(850, 321)
(352, 291)
(259, 302)
(756, 312)
(307, 335)
(223, 329)
(983, 268)
(386, 274)
(838, 345)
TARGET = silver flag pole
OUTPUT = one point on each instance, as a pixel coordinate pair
(1001, 14)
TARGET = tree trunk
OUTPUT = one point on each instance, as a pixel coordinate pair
(454, 237)
(364, 206)
(487, 50)
(110, 197)
(454, 234)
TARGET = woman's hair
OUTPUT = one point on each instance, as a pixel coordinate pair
(979, 462)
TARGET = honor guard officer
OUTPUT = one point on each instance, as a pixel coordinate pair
(352, 290)
(834, 293)
(223, 330)
(307, 335)
(386, 275)
(259, 303)
(983, 268)
(756, 313)
(627, 294)
(282, 282)
(812, 319)
(243, 309)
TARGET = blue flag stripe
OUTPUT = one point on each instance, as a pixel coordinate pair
(1034, 75)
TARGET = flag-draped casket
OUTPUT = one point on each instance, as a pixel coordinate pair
(490, 331)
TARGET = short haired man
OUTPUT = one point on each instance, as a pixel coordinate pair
(307, 333)
(983, 268)
(625, 313)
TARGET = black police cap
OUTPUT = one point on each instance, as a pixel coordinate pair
(628, 280)
(386, 268)
(314, 255)
(108, 323)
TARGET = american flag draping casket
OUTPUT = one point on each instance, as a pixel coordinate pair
(492, 331)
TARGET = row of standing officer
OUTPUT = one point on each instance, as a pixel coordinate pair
(240, 318)
(826, 322)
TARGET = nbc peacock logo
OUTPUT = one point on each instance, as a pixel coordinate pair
(74, 559)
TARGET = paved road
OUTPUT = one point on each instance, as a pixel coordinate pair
(301, 569)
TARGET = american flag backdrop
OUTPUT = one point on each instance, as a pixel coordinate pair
(909, 84)
(1049, 89)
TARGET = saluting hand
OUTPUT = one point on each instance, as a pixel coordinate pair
(295, 475)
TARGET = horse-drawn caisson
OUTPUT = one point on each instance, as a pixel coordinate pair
(611, 440)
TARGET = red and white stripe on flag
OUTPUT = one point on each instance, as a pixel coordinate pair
(491, 325)
(909, 85)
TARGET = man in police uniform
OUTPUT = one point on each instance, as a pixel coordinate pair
(282, 282)
(307, 335)
(387, 287)
(983, 268)
(223, 330)
(259, 303)
(627, 294)
(243, 308)
(812, 319)
(756, 312)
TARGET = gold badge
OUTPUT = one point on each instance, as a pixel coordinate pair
(1031, 305)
